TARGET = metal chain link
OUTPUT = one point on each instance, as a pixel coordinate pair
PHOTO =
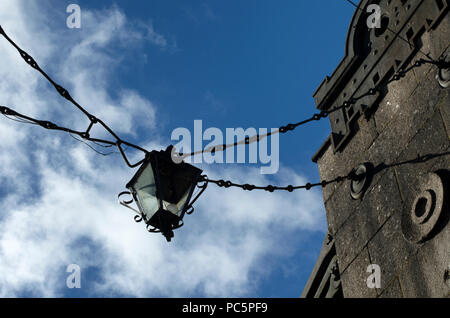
(271, 188)
(64, 93)
(248, 140)
(322, 114)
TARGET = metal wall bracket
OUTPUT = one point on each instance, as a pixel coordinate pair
(361, 180)
(443, 74)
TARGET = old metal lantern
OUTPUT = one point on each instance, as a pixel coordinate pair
(162, 190)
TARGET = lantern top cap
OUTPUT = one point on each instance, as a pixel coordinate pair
(165, 155)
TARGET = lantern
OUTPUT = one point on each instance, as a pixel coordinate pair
(162, 190)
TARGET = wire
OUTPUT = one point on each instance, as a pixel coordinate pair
(119, 143)
(353, 175)
(100, 145)
(317, 116)
(99, 152)
(64, 93)
(248, 187)
(324, 114)
(19, 120)
(271, 188)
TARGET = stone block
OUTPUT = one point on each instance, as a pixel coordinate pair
(382, 201)
(394, 290)
(377, 205)
(333, 165)
(355, 222)
(398, 93)
(328, 171)
(354, 278)
(444, 108)
(390, 250)
(411, 119)
(424, 101)
(425, 275)
(350, 240)
(432, 137)
(339, 207)
(430, 141)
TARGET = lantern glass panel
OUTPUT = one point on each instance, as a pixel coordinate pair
(176, 183)
(177, 208)
(145, 189)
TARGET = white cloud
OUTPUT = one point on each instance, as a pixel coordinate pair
(60, 203)
(154, 36)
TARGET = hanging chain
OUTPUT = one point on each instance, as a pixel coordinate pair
(85, 135)
(64, 93)
(353, 175)
(325, 113)
(322, 114)
(271, 188)
(118, 142)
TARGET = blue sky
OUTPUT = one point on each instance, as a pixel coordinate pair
(147, 68)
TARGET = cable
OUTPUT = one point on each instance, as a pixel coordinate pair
(317, 116)
(64, 93)
(119, 142)
(271, 188)
(100, 145)
(99, 152)
(353, 175)
(248, 140)
(19, 120)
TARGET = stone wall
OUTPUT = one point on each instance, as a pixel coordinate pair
(400, 217)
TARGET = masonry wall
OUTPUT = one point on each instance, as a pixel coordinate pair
(409, 118)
